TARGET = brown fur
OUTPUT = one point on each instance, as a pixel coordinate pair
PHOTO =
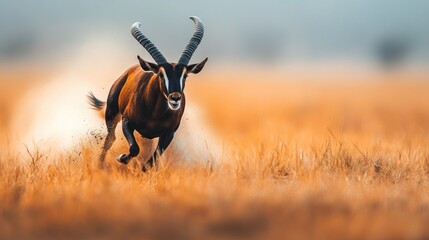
(141, 100)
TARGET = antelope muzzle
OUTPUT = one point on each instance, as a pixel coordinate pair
(174, 101)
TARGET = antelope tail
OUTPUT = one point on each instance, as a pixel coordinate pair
(94, 102)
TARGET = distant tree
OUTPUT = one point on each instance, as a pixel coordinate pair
(391, 52)
(266, 47)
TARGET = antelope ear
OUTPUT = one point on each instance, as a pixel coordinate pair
(148, 66)
(196, 68)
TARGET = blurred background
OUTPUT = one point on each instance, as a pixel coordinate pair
(53, 52)
(386, 33)
(317, 112)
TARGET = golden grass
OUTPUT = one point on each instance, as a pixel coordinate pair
(310, 159)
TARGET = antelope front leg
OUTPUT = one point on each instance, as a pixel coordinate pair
(163, 143)
(134, 147)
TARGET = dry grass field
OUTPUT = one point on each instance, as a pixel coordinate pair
(306, 157)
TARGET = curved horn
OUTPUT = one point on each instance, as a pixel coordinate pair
(147, 44)
(193, 43)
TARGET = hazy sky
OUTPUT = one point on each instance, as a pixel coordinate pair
(270, 29)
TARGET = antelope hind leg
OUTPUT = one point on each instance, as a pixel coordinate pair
(111, 122)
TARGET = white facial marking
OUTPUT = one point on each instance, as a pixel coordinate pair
(173, 105)
(165, 78)
(181, 79)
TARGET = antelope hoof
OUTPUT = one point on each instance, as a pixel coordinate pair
(124, 159)
(146, 167)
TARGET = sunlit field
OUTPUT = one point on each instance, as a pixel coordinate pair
(298, 155)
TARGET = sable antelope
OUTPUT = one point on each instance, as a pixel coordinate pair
(149, 97)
